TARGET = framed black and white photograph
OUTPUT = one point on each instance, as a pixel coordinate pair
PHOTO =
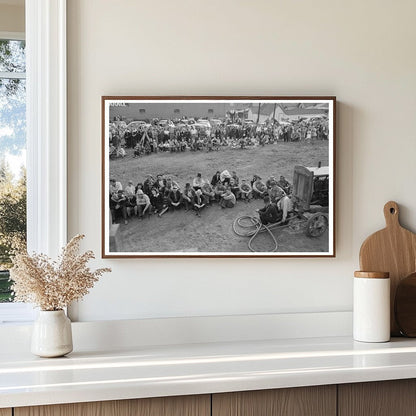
(218, 176)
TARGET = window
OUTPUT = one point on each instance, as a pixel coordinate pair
(142, 110)
(176, 111)
(210, 111)
(46, 135)
(12, 154)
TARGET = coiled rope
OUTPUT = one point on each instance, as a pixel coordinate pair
(252, 229)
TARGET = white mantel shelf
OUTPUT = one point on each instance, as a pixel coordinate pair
(151, 371)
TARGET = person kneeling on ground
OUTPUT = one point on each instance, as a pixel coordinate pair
(269, 214)
(245, 191)
(227, 199)
(259, 188)
(271, 182)
(285, 185)
(175, 198)
(225, 177)
(276, 193)
(198, 202)
(143, 203)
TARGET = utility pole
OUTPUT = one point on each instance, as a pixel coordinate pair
(258, 114)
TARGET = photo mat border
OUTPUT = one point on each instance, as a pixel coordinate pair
(105, 253)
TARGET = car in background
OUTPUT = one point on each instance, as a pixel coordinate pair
(201, 128)
(166, 123)
(186, 121)
(205, 122)
(215, 122)
(138, 124)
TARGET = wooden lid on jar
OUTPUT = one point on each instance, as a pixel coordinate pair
(372, 275)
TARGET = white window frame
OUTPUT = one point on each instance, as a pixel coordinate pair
(46, 134)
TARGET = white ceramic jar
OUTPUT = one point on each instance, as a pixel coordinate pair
(52, 334)
(371, 310)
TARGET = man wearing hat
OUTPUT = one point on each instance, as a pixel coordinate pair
(271, 182)
(285, 185)
(228, 199)
(276, 193)
(245, 191)
(225, 177)
(259, 188)
(269, 214)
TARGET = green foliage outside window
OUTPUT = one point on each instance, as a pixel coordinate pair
(12, 147)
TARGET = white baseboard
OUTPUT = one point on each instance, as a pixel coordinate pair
(127, 334)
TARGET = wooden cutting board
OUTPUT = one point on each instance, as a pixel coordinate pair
(393, 250)
(405, 306)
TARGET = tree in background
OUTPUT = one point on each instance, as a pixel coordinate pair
(12, 222)
(12, 145)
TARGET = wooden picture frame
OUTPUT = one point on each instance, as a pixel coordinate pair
(289, 142)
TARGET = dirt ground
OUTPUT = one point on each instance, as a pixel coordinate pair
(183, 231)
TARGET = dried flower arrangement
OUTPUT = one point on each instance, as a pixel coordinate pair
(53, 285)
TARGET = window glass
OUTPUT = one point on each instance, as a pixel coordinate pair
(12, 156)
(12, 56)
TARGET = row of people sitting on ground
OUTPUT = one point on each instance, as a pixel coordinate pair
(146, 146)
(160, 194)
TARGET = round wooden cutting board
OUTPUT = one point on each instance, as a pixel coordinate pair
(393, 250)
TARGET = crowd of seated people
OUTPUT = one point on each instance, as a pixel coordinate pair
(158, 194)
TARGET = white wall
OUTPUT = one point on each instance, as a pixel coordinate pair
(12, 17)
(361, 51)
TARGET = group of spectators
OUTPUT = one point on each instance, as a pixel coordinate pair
(181, 135)
(157, 195)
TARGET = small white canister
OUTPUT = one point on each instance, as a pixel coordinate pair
(371, 322)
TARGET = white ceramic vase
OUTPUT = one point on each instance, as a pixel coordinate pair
(52, 334)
